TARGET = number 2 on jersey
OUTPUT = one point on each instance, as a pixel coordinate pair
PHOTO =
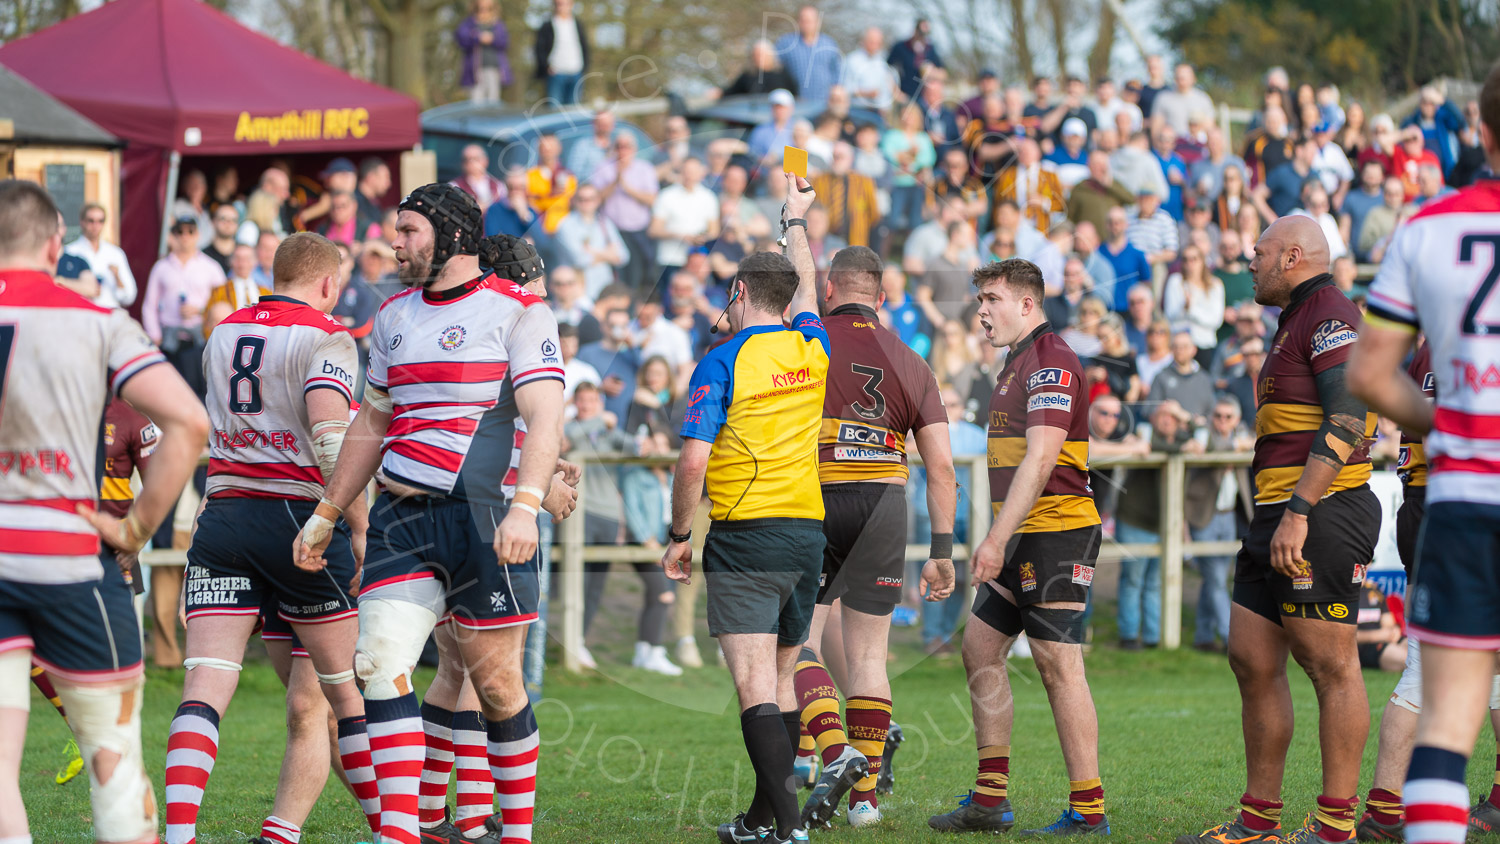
(7, 345)
(873, 377)
(244, 384)
(1472, 325)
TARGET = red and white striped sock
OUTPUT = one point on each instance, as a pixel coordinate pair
(1437, 800)
(397, 747)
(354, 755)
(279, 831)
(476, 785)
(514, 744)
(436, 767)
(192, 747)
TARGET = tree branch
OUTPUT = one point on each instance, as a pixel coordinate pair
(382, 15)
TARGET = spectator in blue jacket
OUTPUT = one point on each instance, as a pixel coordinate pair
(814, 58)
(1129, 263)
(911, 56)
(485, 43)
(1440, 122)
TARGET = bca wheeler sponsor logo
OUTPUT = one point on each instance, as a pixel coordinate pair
(1050, 401)
(1049, 378)
(865, 435)
(1333, 334)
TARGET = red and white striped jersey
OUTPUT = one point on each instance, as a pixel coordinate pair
(61, 357)
(1440, 275)
(451, 362)
(260, 363)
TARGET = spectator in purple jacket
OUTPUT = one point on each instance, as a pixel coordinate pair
(485, 42)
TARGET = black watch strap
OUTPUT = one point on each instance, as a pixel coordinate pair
(796, 221)
(680, 537)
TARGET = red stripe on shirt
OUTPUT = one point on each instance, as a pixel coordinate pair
(441, 372)
(327, 382)
(1474, 426)
(429, 455)
(402, 409)
(65, 505)
(1478, 465)
(539, 373)
(266, 471)
(406, 425)
(48, 543)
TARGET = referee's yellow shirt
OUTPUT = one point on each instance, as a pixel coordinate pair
(759, 399)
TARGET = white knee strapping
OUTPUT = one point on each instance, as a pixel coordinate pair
(336, 679)
(109, 719)
(391, 635)
(210, 662)
(15, 669)
(1408, 693)
(1495, 693)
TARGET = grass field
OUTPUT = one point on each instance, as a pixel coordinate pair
(632, 757)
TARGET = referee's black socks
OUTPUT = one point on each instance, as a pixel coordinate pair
(771, 755)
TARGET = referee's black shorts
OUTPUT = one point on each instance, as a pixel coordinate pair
(762, 576)
(865, 559)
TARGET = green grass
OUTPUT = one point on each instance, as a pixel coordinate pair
(632, 757)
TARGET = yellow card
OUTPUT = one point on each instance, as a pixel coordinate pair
(794, 161)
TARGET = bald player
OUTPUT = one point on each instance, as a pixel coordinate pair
(1303, 561)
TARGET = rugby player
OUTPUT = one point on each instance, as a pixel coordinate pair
(453, 725)
(1438, 277)
(879, 391)
(1035, 566)
(755, 406)
(455, 361)
(61, 358)
(280, 375)
(1303, 561)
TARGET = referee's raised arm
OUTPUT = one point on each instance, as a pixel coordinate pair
(799, 198)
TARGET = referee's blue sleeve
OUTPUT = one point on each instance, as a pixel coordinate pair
(708, 397)
(808, 324)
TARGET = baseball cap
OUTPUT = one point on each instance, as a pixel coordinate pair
(1324, 126)
(71, 266)
(783, 97)
(183, 222)
(339, 165)
(1075, 126)
(988, 74)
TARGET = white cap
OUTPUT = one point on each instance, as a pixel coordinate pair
(1075, 126)
(783, 97)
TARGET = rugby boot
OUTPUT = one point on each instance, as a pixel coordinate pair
(736, 832)
(972, 817)
(1370, 829)
(838, 777)
(885, 781)
(1484, 818)
(1231, 832)
(1071, 823)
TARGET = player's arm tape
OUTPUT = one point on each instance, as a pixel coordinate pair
(328, 439)
(941, 547)
(379, 399)
(1343, 428)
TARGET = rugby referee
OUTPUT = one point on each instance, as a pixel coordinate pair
(755, 406)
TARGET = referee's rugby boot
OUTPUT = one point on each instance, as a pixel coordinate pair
(1071, 823)
(1370, 829)
(970, 816)
(1231, 832)
(838, 777)
(735, 832)
(885, 781)
(1484, 818)
(797, 836)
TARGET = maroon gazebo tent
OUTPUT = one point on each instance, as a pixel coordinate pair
(178, 78)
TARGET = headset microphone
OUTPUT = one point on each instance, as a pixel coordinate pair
(714, 329)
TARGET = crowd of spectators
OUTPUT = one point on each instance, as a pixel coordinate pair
(1126, 193)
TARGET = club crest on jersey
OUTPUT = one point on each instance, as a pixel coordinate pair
(1333, 334)
(1028, 577)
(452, 337)
(1005, 387)
(109, 433)
(1049, 378)
(549, 352)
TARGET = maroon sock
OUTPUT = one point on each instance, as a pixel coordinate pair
(1260, 815)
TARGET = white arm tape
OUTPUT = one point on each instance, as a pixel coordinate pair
(328, 438)
(381, 401)
(211, 662)
(316, 531)
(336, 679)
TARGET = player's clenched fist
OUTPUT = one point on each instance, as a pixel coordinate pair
(312, 540)
(516, 538)
(677, 561)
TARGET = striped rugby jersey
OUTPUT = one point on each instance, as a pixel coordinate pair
(129, 439)
(878, 390)
(451, 361)
(1042, 384)
(260, 364)
(1412, 464)
(61, 357)
(1439, 275)
(1316, 332)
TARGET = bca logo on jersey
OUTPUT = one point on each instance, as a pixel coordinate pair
(1429, 383)
(1331, 335)
(452, 337)
(862, 435)
(1048, 378)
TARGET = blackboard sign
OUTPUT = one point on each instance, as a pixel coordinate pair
(66, 184)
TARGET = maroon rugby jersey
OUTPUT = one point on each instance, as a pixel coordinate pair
(129, 439)
(1315, 333)
(1042, 384)
(878, 390)
(1412, 465)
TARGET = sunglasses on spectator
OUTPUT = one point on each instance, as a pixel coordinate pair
(1156, 331)
(1108, 414)
(1223, 415)
(94, 220)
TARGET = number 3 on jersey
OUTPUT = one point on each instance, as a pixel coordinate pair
(873, 377)
(244, 384)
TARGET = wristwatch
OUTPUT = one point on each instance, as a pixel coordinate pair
(680, 537)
